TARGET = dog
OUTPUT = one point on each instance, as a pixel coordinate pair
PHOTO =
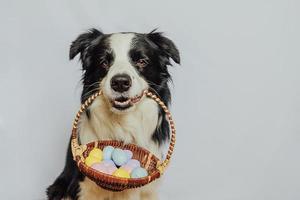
(122, 65)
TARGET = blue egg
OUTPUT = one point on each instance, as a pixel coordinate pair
(107, 152)
(138, 172)
(119, 157)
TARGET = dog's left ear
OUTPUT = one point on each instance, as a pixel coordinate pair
(82, 42)
(166, 45)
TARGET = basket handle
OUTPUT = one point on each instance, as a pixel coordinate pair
(77, 149)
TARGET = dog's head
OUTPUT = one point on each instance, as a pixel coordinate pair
(123, 65)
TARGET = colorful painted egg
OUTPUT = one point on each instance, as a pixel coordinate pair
(111, 169)
(138, 172)
(130, 165)
(97, 153)
(119, 157)
(108, 163)
(133, 163)
(106, 166)
(129, 154)
(91, 160)
(121, 173)
(107, 152)
(99, 167)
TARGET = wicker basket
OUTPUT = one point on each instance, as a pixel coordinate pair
(151, 163)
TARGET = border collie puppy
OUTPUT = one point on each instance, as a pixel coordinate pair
(122, 65)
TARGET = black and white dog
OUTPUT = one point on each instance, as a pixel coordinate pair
(122, 65)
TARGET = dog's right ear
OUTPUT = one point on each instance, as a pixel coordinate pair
(82, 42)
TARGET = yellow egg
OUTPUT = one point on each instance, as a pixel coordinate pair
(121, 173)
(97, 153)
(89, 161)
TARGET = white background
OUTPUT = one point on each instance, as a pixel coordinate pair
(235, 97)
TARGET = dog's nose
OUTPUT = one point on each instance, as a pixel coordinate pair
(120, 82)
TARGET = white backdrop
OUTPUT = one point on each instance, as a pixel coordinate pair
(235, 98)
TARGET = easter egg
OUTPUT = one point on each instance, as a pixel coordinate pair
(130, 165)
(97, 153)
(99, 167)
(138, 172)
(106, 166)
(111, 169)
(129, 154)
(119, 157)
(107, 152)
(133, 163)
(121, 173)
(110, 166)
(91, 160)
(108, 163)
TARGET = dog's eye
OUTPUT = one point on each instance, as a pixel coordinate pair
(104, 64)
(142, 63)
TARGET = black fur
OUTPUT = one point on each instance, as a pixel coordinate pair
(67, 183)
(94, 50)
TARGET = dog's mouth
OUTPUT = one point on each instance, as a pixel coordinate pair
(123, 103)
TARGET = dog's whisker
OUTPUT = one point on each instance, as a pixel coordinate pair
(87, 94)
(96, 83)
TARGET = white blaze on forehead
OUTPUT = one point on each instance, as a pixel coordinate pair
(121, 43)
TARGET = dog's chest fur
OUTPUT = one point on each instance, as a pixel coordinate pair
(133, 127)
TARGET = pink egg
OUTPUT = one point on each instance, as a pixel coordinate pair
(129, 154)
(131, 165)
(106, 166)
(99, 167)
(108, 163)
(134, 163)
(111, 169)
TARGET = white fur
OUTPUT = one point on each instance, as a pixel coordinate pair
(134, 126)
